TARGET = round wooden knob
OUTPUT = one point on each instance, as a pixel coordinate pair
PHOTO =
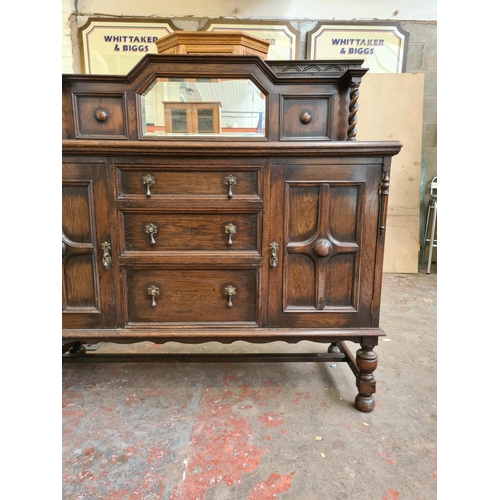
(101, 115)
(305, 117)
(323, 248)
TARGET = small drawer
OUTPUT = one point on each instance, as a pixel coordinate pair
(191, 296)
(157, 231)
(98, 116)
(305, 118)
(154, 183)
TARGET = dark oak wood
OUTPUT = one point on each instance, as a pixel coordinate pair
(189, 334)
(204, 358)
(87, 288)
(198, 180)
(191, 231)
(192, 296)
(100, 116)
(197, 239)
(327, 245)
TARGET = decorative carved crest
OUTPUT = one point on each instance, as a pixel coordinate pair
(310, 68)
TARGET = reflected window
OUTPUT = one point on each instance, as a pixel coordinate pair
(180, 107)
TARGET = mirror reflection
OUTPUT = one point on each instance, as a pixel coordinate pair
(203, 106)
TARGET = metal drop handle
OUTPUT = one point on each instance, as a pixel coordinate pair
(273, 258)
(153, 291)
(230, 230)
(230, 182)
(106, 257)
(230, 291)
(148, 181)
(151, 229)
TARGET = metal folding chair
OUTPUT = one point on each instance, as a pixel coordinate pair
(431, 223)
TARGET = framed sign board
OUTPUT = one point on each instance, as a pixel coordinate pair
(382, 46)
(283, 39)
(115, 47)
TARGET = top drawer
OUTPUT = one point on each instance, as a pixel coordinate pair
(192, 182)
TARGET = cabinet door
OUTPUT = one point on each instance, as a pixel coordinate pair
(87, 298)
(325, 225)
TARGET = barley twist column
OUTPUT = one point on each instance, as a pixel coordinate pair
(353, 109)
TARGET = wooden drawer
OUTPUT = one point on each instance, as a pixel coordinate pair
(190, 296)
(227, 183)
(305, 118)
(100, 116)
(160, 231)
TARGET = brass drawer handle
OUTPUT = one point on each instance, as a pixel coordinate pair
(148, 181)
(153, 291)
(273, 258)
(230, 230)
(230, 182)
(106, 257)
(230, 291)
(151, 229)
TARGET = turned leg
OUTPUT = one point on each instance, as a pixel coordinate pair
(366, 361)
(334, 348)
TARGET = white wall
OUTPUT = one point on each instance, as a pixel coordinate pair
(424, 10)
(68, 8)
(75, 14)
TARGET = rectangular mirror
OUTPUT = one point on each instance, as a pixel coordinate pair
(181, 107)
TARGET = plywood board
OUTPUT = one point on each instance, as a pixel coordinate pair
(391, 108)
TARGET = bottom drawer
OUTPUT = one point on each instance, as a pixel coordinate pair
(192, 296)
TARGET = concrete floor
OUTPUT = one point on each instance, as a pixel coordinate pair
(259, 431)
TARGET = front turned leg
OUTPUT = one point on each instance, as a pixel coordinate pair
(366, 361)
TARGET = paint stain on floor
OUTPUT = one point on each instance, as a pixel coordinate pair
(272, 419)
(391, 495)
(272, 487)
(224, 443)
(224, 449)
(206, 440)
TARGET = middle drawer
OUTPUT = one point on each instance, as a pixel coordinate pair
(167, 231)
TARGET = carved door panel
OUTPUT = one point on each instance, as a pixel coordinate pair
(326, 241)
(87, 296)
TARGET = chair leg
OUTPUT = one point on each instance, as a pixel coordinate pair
(426, 231)
(433, 230)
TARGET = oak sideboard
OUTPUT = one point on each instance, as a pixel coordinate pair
(270, 229)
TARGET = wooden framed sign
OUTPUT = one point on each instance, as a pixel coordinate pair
(382, 46)
(283, 39)
(115, 47)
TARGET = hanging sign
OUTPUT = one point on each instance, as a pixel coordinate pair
(383, 47)
(114, 48)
